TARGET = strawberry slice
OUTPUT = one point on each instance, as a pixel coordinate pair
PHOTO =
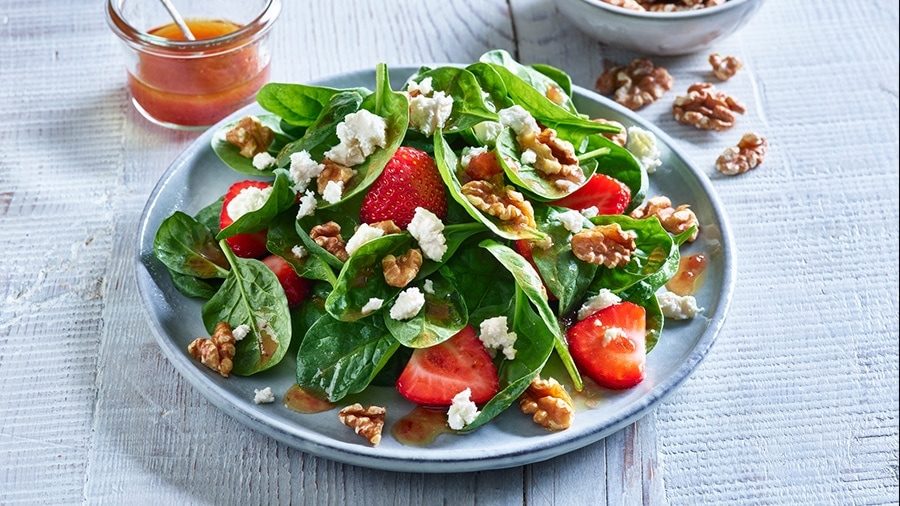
(483, 166)
(610, 345)
(434, 375)
(251, 245)
(524, 247)
(295, 288)
(608, 195)
(409, 180)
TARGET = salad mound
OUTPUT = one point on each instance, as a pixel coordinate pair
(449, 239)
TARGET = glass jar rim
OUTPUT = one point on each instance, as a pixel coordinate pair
(131, 35)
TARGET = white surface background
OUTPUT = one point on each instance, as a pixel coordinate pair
(796, 403)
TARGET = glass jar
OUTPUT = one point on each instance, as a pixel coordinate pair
(188, 84)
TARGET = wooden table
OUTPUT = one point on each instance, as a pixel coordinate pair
(797, 402)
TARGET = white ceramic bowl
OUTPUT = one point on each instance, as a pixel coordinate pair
(658, 33)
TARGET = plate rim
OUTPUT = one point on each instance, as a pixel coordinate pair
(356, 454)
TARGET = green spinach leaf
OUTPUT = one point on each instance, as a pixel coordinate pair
(296, 104)
(486, 287)
(492, 84)
(191, 286)
(455, 235)
(443, 315)
(187, 247)
(209, 216)
(565, 276)
(534, 78)
(651, 260)
(619, 163)
(230, 154)
(557, 75)
(321, 135)
(281, 239)
(469, 107)
(281, 198)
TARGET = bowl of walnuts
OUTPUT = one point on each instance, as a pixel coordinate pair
(659, 27)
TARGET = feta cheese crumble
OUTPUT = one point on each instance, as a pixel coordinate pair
(240, 332)
(361, 133)
(264, 396)
(487, 131)
(262, 161)
(590, 212)
(247, 200)
(429, 231)
(299, 252)
(470, 153)
(427, 114)
(364, 233)
(333, 191)
(462, 410)
(423, 87)
(678, 307)
(408, 304)
(372, 305)
(495, 335)
(572, 220)
(303, 169)
(599, 302)
(642, 144)
(307, 205)
(613, 333)
(520, 120)
(428, 286)
(529, 157)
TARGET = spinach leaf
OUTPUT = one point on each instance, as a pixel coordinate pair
(281, 239)
(443, 315)
(338, 358)
(469, 107)
(447, 164)
(619, 163)
(492, 84)
(532, 77)
(310, 311)
(321, 135)
(388, 375)
(487, 288)
(209, 216)
(455, 235)
(187, 247)
(528, 280)
(191, 286)
(281, 198)
(557, 75)
(230, 154)
(251, 295)
(651, 260)
(296, 104)
(345, 215)
(565, 276)
(394, 108)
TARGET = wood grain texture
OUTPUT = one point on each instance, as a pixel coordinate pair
(797, 403)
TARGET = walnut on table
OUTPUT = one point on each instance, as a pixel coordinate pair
(621, 137)
(250, 136)
(635, 85)
(606, 245)
(500, 201)
(556, 158)
(399, 271)
(706, 108)
(549, 403)
(749, 153)
(217, 351)
(328, 236)
(365, 421)
(333, 172)
(674, 219)
(724, 68)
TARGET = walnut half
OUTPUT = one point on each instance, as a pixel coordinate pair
(606, 245)
(500, 201)
(549, 403)
(748, 154)
(365, 421)
(399, 271)
(674, 219)
(724, 68)
(250, 136)
(706, 108)
(328, 236)
(217, 351)
(333, 172)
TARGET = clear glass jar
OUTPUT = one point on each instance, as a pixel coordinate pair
(188, 84)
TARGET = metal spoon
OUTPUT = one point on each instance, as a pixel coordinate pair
(176, 17)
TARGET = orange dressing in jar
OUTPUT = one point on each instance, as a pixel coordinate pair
(690, 275)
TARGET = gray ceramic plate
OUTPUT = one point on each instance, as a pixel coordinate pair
(197, 178)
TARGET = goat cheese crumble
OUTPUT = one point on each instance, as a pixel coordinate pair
(678, 307)
(360, 133)
(428, 287)
(599, 302)
(470, 153)
(240, 332)
(642, 144)
(423, 87)
(529, 157)
(307, 205)
(495, 335)
(429, 231)
(590, 212)
(408, 304)
(247, 200)
(264, 396)
(363, 234)
(333, 191)
(372, 305)
(427, 114)
(572, 220)
(303, 169)
(487, 131)
(462, 410)
(262, 161)
(299, 252)
(520, 120)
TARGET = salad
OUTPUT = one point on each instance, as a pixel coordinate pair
(472, 240)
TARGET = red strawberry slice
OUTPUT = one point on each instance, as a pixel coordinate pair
(434, 375)
(295, 288)
(252, 245)
(524, 247)
(608, 195)
(409, 180)
(613, 361)
(483, 166)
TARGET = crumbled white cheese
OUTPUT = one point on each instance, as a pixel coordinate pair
(572, 220)
(262, 324)
(469, 153)
(428, 230)
(520, 120)
(642, 144)
(529, 157)
(307, 205)
(566, 185)
(423, 87)
(462, 410)
(487, 131)
(303, 169)
(262, 161)
(495, 335)
(333, 191)
(364, 233)
(240, 332)
(299, 252)
(247, 200)
(408, 304)
(427, 114)
(602, 300)
(372, 305)
(360, 133)
(678, 307)
(613, 333)
(264, 396)
(428, 286)
(590, 212)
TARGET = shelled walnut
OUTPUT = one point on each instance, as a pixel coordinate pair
(250, 136)
(500, 201)
(549, 403)
(749, 153)
(328, 236)
(631, 5)
(674, 219)
(400, 270)
(706, 108)
(333, 172)
(724, 68)
(635, 85)
(365, 421)
(606, 245)
(386, 226)
(217, 351)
